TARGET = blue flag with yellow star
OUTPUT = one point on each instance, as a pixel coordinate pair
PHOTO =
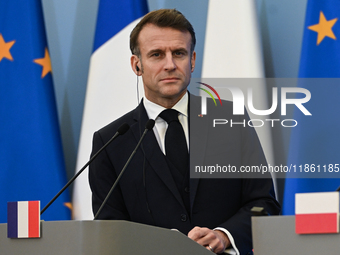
(316, 140)
(31, 159)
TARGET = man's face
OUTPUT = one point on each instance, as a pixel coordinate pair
(166, 63)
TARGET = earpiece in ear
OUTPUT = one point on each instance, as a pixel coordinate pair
(137, 68)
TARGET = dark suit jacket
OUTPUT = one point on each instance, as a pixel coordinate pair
(148, 194)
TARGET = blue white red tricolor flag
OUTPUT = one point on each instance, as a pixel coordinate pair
(23, 219)
(111, 86)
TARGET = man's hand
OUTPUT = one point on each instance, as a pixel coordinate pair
(214, 240)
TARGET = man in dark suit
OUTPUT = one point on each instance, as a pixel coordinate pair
(157, 190)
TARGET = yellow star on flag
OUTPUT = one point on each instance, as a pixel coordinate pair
(45, 62)
(69, 206)
(324, 28)
(4, 49)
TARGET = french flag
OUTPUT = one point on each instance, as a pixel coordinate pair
(23, 219)
(317, 213)
(111, 86)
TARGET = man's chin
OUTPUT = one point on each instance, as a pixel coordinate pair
(175, 94)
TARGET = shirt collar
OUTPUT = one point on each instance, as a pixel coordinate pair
(153, 110)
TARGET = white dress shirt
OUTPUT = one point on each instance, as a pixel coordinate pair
(153, 110)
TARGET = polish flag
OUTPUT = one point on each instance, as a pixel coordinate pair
(23, 219)
(317, 213)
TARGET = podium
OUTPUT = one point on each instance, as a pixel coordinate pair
(101, 237)
(276, 235)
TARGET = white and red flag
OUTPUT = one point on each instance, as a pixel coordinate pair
(317, 213)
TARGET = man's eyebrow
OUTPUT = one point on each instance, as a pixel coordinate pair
(180, 49)
(154, 51)
(160, 50)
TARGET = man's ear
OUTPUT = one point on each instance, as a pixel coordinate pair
(193, 61)
(135, 65)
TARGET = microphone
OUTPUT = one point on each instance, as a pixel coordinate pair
(121, 131)
(148, 126)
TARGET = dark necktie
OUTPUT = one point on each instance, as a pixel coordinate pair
(175, 143)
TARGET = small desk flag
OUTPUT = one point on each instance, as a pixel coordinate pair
(23, 219)
(317, 213)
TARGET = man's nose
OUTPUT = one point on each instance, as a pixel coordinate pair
(170, 63)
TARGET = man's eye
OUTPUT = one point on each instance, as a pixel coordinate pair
(156, 55)
(180, 53)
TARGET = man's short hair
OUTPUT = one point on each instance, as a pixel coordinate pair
(162, 18)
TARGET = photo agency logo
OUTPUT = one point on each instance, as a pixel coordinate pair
(239, 102)
(204, 99)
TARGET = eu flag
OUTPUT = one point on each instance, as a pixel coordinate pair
(316, 140)
(31, 159)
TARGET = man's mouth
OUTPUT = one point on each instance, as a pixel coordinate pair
(170, 79)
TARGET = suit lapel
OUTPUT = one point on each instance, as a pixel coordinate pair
(198, 140)
(153, 153)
